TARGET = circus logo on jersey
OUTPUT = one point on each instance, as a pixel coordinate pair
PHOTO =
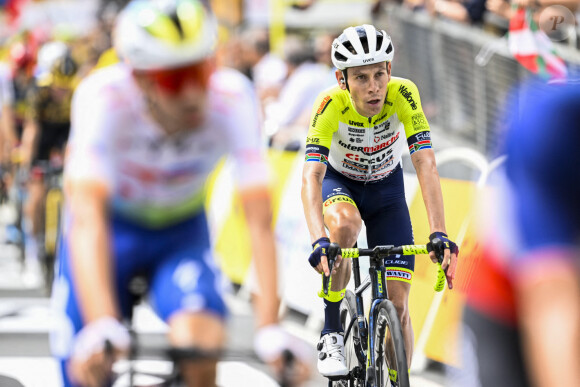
(355, 157)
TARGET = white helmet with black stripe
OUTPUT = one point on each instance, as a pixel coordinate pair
(361, 45)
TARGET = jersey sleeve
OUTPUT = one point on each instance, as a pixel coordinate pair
(411, 115)
(323, 124)
(90, 151)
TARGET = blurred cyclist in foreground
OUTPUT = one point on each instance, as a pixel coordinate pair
(523, 312)
(145, 135)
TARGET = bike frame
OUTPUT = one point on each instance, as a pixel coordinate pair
(377, 281)
(365, 348)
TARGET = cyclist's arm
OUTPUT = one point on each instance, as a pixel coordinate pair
(258, 210)
(426, 168)
(312, 176)
(418, 135)
(88, 184)
(323, 124)
(90, 249)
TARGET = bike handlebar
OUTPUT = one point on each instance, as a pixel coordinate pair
(379, 252)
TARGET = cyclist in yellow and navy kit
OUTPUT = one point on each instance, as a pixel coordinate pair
(358, 132)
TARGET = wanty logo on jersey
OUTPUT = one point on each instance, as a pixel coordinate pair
(408, 96)
(321, 109)
(354, 123)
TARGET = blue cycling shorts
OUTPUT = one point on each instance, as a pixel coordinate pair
(384, 210)
(176, 260)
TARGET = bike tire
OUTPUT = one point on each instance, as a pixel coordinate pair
(391, 367)
(347, 313)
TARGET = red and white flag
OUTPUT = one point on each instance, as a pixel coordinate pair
(532, 47)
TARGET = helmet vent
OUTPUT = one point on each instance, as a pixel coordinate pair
(177, 23)
(338, 56)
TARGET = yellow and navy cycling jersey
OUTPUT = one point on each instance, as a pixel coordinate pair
(362, 148)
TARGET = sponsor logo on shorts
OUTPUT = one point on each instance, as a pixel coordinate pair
(399, 274)
(338, 199)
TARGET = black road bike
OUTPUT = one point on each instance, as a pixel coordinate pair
(374, 344)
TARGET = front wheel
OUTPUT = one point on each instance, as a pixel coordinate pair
(352, 341)
(390, 355)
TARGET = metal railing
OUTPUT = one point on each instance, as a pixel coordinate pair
(461, 97)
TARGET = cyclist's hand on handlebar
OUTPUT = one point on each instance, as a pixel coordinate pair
(318, 259)
(442, 249)
(95, 349)
(287, 356)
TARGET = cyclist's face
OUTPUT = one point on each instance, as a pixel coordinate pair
(368, 87)
(178, 96)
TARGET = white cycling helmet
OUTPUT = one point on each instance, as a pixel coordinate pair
(164, 34)
(361, 45)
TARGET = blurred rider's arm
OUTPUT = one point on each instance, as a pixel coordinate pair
(88, 188)
(257, 207)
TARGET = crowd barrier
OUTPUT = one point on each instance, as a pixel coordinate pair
(463, 72)
(436, 316)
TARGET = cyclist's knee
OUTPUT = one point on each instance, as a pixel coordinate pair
(344, 226)
(202, 330)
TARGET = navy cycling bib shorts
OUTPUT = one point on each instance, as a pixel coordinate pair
(383, 208)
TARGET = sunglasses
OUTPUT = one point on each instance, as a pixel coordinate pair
(172, 81)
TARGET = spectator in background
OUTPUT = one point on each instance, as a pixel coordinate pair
(288, 115)
(523, 312)
(267, 70)
(468, 11)
(322, 51)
